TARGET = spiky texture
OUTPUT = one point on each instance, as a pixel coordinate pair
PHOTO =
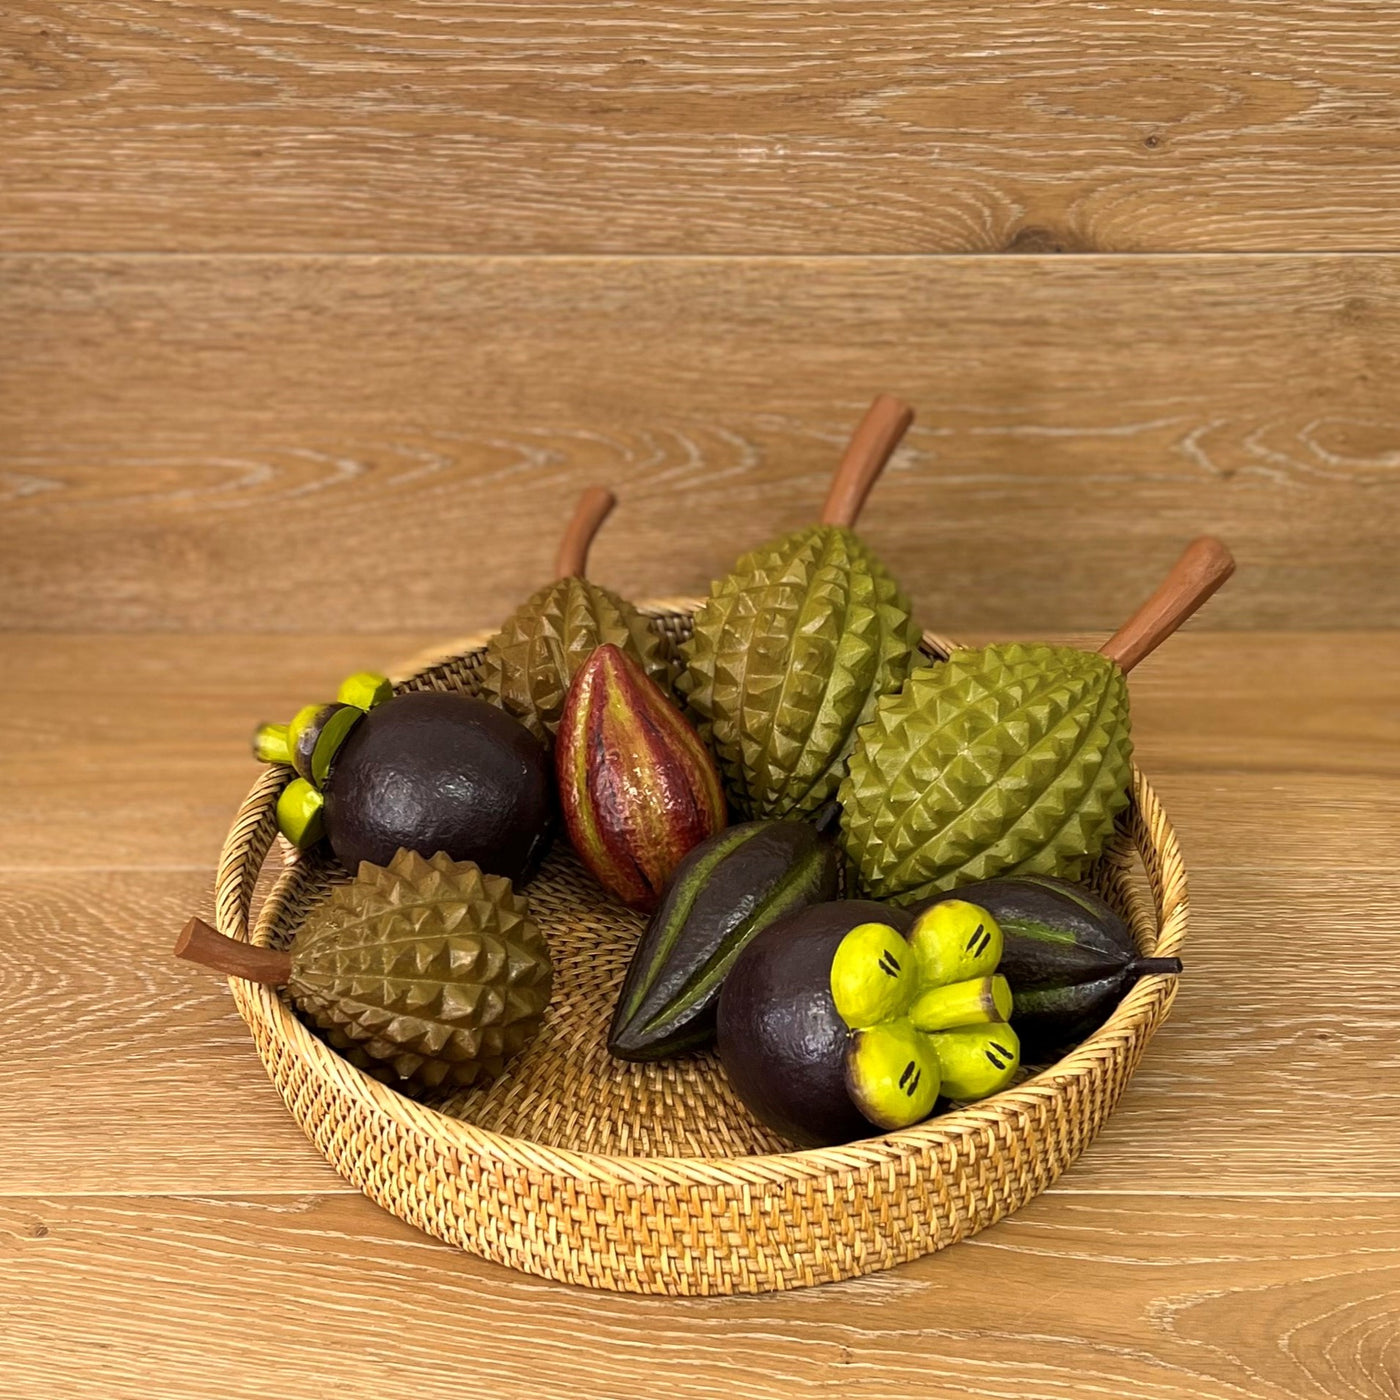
(1011, 760)
(427, 974)
(529, 663)
(788, 656)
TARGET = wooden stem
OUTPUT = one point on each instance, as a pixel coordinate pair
(871, 446)
(1155, 967)
(1202, 568)
(199, 943)
(594, 507)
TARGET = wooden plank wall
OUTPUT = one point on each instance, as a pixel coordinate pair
(700, 126)
(314, 314)
(282, 288)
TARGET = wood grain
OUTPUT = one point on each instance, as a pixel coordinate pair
(1232, 1233)
(147, 1077)
(150, 1081)
(706, 126)
(1135, 1297)
(1287, 1009)
(123, 750)
(285, 391)
(1269, 750)
(358, 444)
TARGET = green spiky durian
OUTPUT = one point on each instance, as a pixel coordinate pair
(794, 646)
(426, 974)
(529, 663)
(790, 654)
(1011, 760)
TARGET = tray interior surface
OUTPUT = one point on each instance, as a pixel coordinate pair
(565, 1090)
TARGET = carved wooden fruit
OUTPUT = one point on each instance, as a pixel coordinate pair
(794, 646)
(529, 663)
(637, 786)
(1014, 759)
(426, 974)
(724, 894)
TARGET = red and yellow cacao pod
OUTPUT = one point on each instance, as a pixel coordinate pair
(637, 785)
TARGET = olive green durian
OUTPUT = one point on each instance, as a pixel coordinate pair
(796, 644)
(1011, 760)
(529, 663)
(426, 974)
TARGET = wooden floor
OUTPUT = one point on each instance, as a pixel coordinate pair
(166, 1231)
(314, 317)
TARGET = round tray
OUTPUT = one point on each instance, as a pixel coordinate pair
(654, 1178)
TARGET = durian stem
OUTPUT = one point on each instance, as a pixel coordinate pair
(871, 446)
(199, 943)
(1202, 568)
(594, 507)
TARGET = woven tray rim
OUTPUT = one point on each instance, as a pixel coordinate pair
(1137, 1015)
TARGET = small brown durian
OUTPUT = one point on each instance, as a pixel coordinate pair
(426, 974)
(529, 663)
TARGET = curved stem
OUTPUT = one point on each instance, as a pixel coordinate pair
(199, 943)
(871, 446)
(594, 507)
(1203, 567)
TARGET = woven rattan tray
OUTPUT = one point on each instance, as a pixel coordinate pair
(653, 1178)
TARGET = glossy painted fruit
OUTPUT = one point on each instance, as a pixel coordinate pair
(787, 657)
(835, 1022)
(1013, 759)
(637, 787)
(724, 894)
(426, 974)
(914, 1032)
(1067, 954)
(780, 1039)
(436, 771)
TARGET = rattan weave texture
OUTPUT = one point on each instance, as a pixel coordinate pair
(653, 1178)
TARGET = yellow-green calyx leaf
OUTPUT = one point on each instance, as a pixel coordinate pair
(271, 744)
(303, 720)
(955, 940)
(974, 1002)
(312, 740)
(873, 976)
(976, 1060)
(365, 689)
(299, 813)
(334, 732)
(892, 1074)
(927, 1013)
